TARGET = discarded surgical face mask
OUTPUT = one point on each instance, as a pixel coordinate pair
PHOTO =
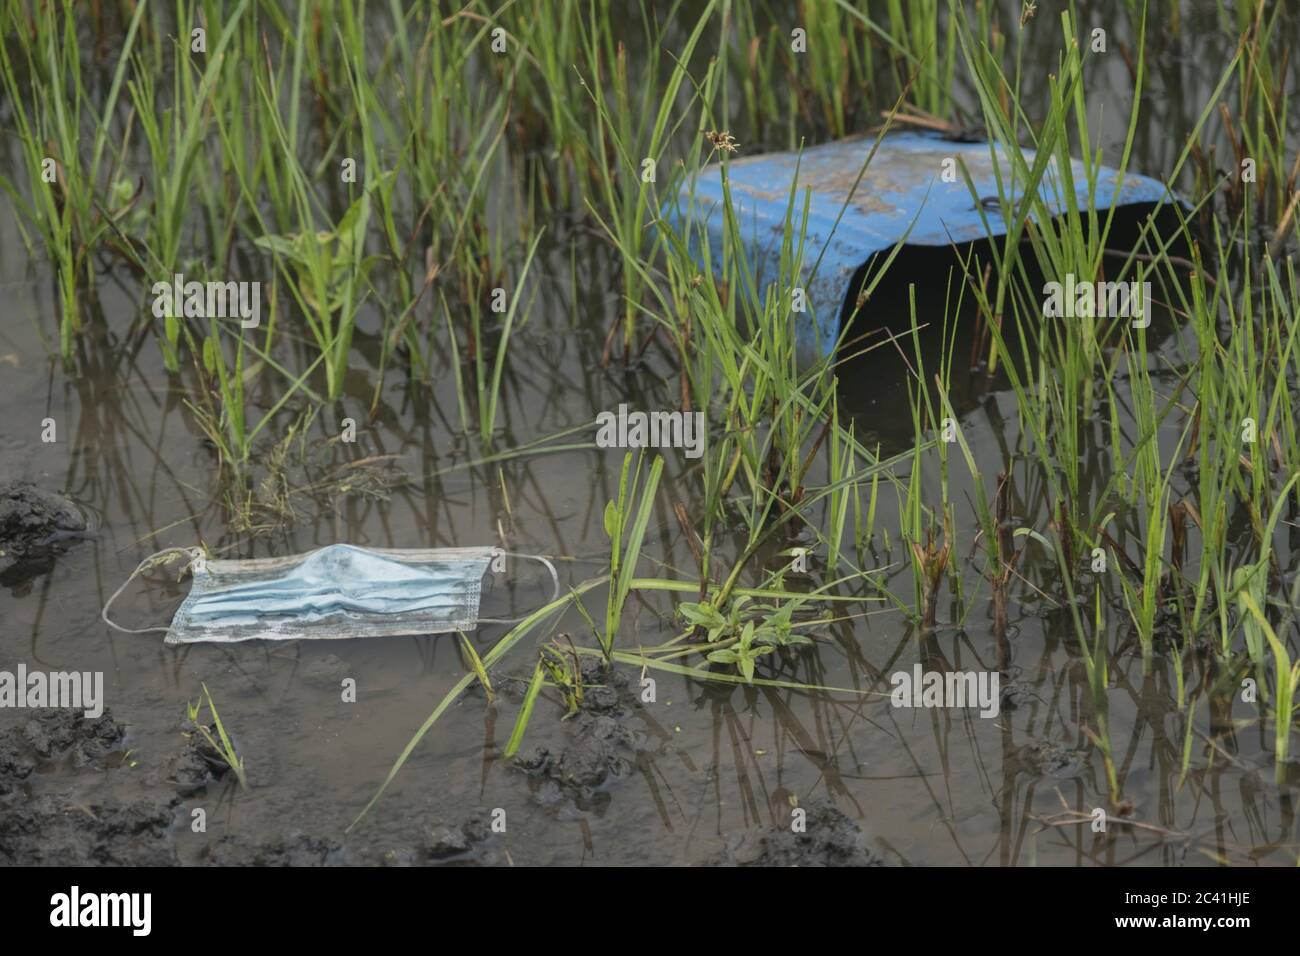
(339, 591)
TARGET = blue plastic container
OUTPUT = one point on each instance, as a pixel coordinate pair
(902, 188)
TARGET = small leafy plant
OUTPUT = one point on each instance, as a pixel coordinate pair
(743, 653)
(745, 632)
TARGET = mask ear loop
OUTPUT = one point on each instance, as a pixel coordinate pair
(555, 580)
(197, 559)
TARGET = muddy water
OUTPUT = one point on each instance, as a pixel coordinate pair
(678, 780)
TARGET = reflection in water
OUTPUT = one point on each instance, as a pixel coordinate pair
(930, 786)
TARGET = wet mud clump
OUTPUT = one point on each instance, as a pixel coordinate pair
(57, 828)
(468, 843)
(829, 838)
(451, 844)
(292, 849)
(55, 736)
(599, 749)
(32, 519)
(49, 831)
(197, 766)
(1042, 758)
(35, 526)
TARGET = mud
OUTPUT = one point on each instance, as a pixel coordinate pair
(35, 527)
(57, 829)
(1042, 758)
(444, 842)
(196, 767)
(61, 828)
(470, 843)
(66, 734)
(1015, 692)
(600, 749)
(466, 843)
(829, 839)
(293, 849)
(32, 520)
(50, 737)
(678, 780)
(49, 831)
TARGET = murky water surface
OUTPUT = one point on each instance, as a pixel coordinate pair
(664, 782)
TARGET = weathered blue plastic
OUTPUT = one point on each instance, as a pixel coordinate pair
(902, 188)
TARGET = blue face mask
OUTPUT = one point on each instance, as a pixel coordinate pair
(336, 592)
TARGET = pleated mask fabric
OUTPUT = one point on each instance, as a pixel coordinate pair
(339, 591)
